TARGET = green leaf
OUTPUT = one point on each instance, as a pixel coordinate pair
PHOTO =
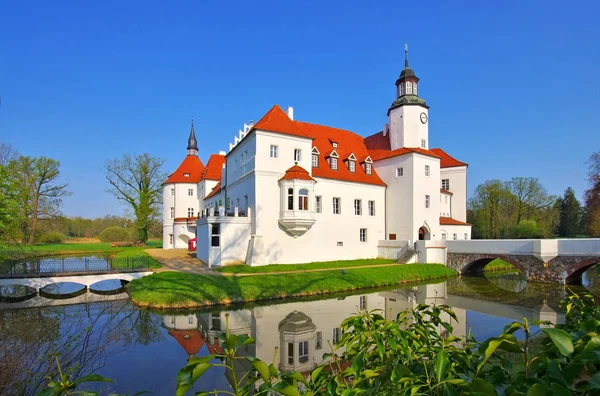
(260, 366)
(92, 378)
(507, 342)
(370, 373)
(538, 390)
(479, 385)
(188, 375)
(561, 339)
(315, 373)
(84, 393)
(559, 390)
(441, 365)
(297, 376)
(273, 370)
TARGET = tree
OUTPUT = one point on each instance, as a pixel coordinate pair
(39, 193)
(9, 206)
(592, 197)
(137, 182)
(7, 154)
(530, 196)
(489, 205)
(570, 214)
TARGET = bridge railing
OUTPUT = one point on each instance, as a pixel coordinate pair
(57, 266)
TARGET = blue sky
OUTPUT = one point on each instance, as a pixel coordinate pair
(513, 89)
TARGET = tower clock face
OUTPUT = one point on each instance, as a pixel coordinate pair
(423, 118)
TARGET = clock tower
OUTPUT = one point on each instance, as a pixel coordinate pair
(408, 115)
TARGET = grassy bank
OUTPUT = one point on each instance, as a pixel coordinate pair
(498, 265)
(183, 290)
(245, 269)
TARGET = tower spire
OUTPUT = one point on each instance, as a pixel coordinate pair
(406, 56)
(192, 142)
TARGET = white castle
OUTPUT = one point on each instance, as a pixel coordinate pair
(290, 191)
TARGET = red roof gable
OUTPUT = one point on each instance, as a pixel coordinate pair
(379, 148)
(447, 160)
(451, 221)
(214, 167)
(446, 191)
(190, 340)
(296, 172)
(216, 189)
(277, 121)
(348, 143)
(192, 166)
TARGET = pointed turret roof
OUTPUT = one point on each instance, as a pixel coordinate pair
(192, 142)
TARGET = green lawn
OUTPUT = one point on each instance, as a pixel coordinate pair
(245, 269)
(135, 252)
(498, 265)
(184, 290)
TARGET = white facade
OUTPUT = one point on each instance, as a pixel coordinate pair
(294, 192)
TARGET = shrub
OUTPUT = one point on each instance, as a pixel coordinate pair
(52, 237)
(114, 234)
(528, 229)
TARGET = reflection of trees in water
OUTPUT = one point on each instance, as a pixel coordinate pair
(83, 336)
(591, 281)
(514, 282)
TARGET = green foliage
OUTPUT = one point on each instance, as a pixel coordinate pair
(570, 214)
(114, 234)
(180, 290)
(411, 356)
(246, 269)
(591, 219)
(528, 229)
(52, 237)
(9, 207)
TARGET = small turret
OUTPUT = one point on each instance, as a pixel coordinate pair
(407, 85)
(192, 147)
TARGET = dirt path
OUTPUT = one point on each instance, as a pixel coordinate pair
(184, 261)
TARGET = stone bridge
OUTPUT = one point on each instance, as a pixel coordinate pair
(85, 280)
(540, 260)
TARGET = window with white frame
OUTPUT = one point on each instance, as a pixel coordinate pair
(454, 236)
(337, 334)
(215, 235)
(186, 175)
(408, 88)
(172, 191)
(427, 201)
(363, 235)
(357, 207)
(290, 352)
(443, 235)
(333, 163)
(290, 199)
(273, 151)
(368, 169)
(190, 319)
(446, 184)
(363, 303)
(336, 206)
(172, 212)
(371, 208)
(170, 239)
(334, 144)
(303, 199)
(319, 340)
(297, 155)
(426, 170)
(352, 166)
(423, 143)
(190, 212)
(315, 161)
(190, 192)
(303, 352)
(399, 172)
(466, 236)
(318, 203)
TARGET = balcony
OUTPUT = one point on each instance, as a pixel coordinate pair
(296, 222)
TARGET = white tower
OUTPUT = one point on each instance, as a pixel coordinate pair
(408, 115)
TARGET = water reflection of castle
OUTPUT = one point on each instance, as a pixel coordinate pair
(302, 331)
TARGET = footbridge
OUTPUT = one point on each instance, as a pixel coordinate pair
(540, 260)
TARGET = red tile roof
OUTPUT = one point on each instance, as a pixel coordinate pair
(192, 166)
(216, 189)
(184, 219)
(214, 167)
(190, 340)
(445, 191)
(277, 121)
(296, 172)
(447, 160)
(348, 143)
(451, 221)
(379, 148)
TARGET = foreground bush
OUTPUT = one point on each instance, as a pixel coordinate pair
(52, 237)
(114, 234)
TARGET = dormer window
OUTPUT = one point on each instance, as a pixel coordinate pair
(333, 163)
(315, 161)
(334, 144)
(368, 169)
(352, 166)
(186, 175)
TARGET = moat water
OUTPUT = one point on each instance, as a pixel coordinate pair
(140, 349)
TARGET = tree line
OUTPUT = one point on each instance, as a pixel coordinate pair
(522, 208)
(31, 197)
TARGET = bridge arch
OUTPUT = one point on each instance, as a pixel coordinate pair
(575, 272)
(50, 290)
(478, 263)
(101, 288)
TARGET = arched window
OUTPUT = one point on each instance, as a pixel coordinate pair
(290, 199)
(303, 199)
(409, 88)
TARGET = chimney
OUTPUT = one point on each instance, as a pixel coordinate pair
(290, 112)
(222, 153)
(385, 129)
